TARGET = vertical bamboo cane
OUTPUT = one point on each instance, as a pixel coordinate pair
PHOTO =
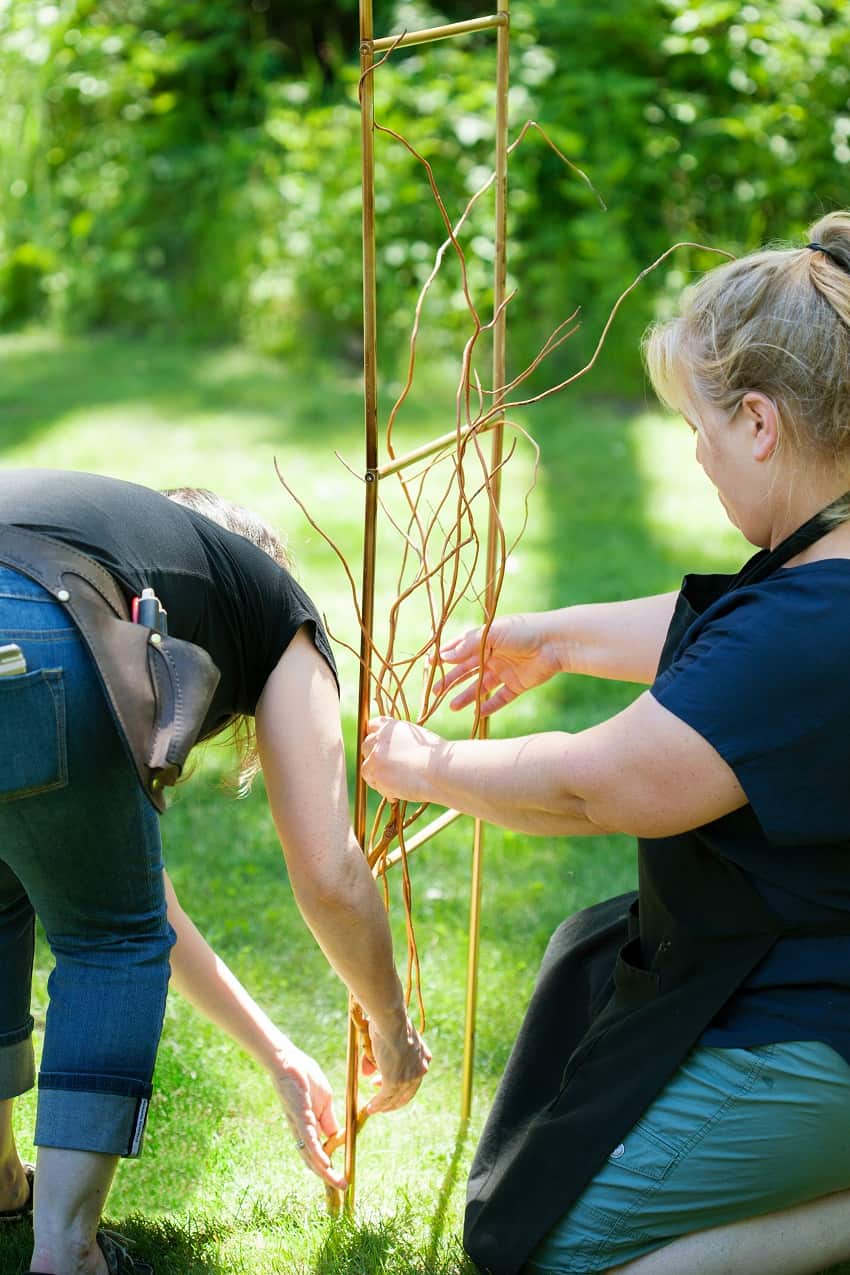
(370, 397)
(499, 379)
(371, 510)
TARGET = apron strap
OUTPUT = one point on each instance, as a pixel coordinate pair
(767, 561)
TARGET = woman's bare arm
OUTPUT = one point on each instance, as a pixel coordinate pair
(203, 978)
(300, 740)
(643, 772)
(621, 640)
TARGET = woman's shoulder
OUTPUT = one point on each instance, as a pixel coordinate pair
(773, 625)
(813, 568)
(822, 582)
(820, 588)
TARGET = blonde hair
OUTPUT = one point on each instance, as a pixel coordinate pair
(776, 322)
(244, 522)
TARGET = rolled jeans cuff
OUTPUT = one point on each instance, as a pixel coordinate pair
(80, 1113)
(17, 1062)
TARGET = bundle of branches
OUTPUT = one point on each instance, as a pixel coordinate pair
(446, 492)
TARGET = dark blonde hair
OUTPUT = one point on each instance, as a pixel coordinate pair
(244, 522)
(776, 322)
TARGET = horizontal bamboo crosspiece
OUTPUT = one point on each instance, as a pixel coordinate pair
(444, 32)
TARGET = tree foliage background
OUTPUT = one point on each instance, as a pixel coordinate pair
(193, 165)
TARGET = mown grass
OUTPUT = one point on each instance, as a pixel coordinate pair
(620, 509)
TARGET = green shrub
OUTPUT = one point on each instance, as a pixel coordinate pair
(195, 166)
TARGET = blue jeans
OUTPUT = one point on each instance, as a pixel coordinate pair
(80, 848)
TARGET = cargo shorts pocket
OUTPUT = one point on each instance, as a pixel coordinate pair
(33, 747)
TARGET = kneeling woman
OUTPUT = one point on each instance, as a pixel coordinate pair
(679, 1097)
(80, 839)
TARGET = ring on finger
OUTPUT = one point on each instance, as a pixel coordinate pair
(300, 1144)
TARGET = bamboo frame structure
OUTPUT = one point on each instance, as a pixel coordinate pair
(432, 547)
(374, 473)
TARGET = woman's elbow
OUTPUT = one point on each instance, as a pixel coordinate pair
(330, 887)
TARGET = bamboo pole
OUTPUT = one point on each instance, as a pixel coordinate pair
(368, 46)
(440, 444)
(499, 379)
(441, 33)
(370, 518)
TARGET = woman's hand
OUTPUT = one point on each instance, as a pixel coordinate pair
(307, 1103)
(402, 1058)
(519, 653)
(396, 758)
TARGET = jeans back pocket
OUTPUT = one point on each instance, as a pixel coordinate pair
(33, 746)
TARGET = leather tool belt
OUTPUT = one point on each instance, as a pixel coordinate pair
(159, 688)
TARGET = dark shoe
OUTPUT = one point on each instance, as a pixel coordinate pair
(118, 1260)
(25, 1209)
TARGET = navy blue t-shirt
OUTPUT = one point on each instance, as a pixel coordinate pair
(764, 676)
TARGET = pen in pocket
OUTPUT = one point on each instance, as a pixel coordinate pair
(148, 610)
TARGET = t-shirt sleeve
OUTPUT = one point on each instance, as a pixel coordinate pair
(767, 683)
(259, 609)
(284, 607)
(295, 608)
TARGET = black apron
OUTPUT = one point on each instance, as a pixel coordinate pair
(625, 990)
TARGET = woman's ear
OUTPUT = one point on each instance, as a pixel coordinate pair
(762, 419)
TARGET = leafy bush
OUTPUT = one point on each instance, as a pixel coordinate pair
(178, 164)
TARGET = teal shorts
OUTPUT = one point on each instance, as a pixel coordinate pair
(735, 1133)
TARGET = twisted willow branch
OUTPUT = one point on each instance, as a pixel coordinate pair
(441, 551)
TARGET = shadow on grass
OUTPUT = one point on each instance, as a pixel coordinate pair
(388, 1247)
(201, 1246)
(356, 1248)
(173, 1249)
(438, 1225)
(45, 379)
(15, 1248)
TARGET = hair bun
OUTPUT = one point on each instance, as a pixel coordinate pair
(832, 234)
(776, 321)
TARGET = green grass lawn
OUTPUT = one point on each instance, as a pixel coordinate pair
(620, 509)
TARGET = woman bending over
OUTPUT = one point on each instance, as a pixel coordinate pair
(80, 840)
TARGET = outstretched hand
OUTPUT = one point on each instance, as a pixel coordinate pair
(518, 654)
(307, 1103)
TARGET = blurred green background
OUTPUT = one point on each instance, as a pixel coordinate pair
(180, 292)
(192, 166)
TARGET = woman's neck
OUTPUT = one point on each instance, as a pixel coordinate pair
(834, 544)
(805, 495)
